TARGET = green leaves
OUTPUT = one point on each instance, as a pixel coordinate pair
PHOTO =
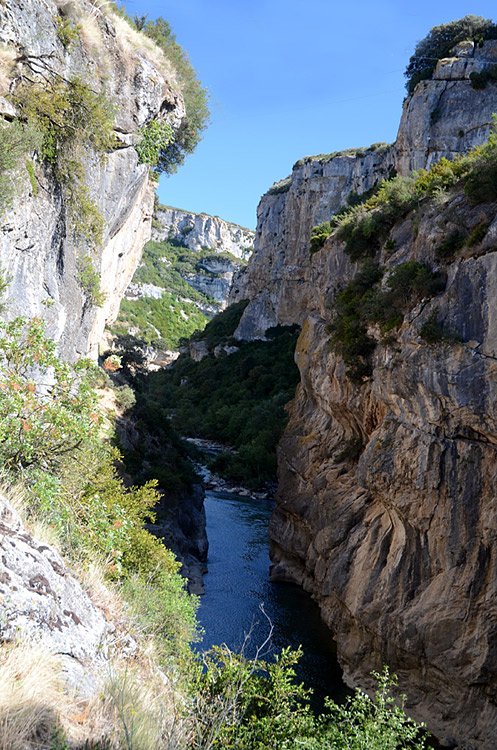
(47, 409)
(154, 139)
(440, 40)
(256, 704)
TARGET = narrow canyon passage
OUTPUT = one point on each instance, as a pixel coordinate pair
(238, 583)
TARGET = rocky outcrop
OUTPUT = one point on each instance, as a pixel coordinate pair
(398, 544)
(214, 278)
(41, 602)
(446, 116)
(386, 508)
(202, 232)
(443, 117)
(181, 526)
(38, 250)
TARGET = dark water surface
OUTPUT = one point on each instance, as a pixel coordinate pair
(238, 583)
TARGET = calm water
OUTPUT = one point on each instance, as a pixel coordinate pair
(238, 583)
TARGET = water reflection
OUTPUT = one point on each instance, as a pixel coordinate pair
(237, 584)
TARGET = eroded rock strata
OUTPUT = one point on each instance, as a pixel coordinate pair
(443, 117)
(38, 250)
(386, 508)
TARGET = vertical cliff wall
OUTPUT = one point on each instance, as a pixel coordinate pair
(201, 231)
(386, 506)
(442, 117)
(38, 248)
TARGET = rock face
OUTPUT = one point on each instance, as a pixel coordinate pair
(214, 278)
(200, 231)
(386, 507)
(42, 602)
(443, 117)
(183, 531)
(398, 545)
(37, 247)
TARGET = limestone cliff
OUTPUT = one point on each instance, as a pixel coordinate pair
(42, 602)
(201, 231)
(443, 117)
(386, 506)
(38, 249)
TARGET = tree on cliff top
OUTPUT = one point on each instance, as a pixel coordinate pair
(440, 40)
(194, 95)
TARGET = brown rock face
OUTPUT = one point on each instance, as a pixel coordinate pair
(386, 507)
(442, 118)
(398, 545)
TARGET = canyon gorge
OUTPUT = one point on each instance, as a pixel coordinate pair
(385, 509)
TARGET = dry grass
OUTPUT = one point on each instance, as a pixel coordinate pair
(31, 698)
(16, 496)
(133, 42)
(137, 706)
(91, 35)
(7, 66)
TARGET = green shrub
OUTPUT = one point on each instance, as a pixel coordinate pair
(480, 181)
(89, 280)
(366, 227)
(439, 42)
(450, 245)
(478, 234)
(352, 449)
(432, 331)
(363, 302)
(222, 327)
(153, 141)
(480, 80)
(70, 118)
(65, 31)
(30, 169)
(282, 186)
(125, 397)
(319, 236)
(41, 425)
(252, 704)
(17, 140)
(194, 94)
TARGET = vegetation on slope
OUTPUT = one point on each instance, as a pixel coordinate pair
(60, 118)
(237, 399)
(194, 94)
(163, 322)
(51, 442)
(378, 296)
(439, 42)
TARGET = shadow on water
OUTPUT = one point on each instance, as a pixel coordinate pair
(238, 584)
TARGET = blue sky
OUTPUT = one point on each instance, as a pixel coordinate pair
(288, 78)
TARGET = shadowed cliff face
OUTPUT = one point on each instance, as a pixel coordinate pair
(37, 249)
(395, 539)
(398, 545)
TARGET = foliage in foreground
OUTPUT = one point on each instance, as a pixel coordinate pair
(195, 96)
(51, 440)
(255, 704)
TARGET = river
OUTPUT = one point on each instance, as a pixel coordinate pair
(237, 584)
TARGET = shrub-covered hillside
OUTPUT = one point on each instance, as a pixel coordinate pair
(235, 398)
(161, 306)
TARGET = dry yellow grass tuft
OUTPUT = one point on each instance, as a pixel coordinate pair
(133, 42)
(91, 35)
(31, 698)
(7, 66)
